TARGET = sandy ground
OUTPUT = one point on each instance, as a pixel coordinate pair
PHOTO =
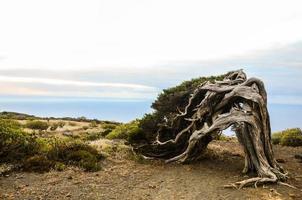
(123, 178)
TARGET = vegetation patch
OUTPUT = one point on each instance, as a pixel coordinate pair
(34, 153)
(76, 153)
(130, 132)
(288, 137)
(38, 163)
(107, 128)
(93, 136)
(37, 125)
(15, 144)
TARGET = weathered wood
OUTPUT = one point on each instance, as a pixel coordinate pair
(213, 107)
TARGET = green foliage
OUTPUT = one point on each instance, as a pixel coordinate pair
(14, 143)
(37, 125)
(59, 166)
(169, 101)
(130, 132)
(177, 96)
(16, 116)
(93, 136)
(76, 153)
(54, 126)
(57, 154)
(288, 137)
(38, 163)
(223, 137)
(149, 124)
(107, 128)
(292, 137)
(93, 124)
(42, 154)
(276, 137)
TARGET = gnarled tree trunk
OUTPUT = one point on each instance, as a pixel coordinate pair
(213, 107)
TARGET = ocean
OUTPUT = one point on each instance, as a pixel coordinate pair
(282, 116)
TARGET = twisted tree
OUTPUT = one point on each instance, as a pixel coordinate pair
(211, 108)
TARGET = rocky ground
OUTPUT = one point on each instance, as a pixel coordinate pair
(124, 177)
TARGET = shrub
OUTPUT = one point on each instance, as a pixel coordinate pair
(37, 125)
(288, 137)
(38, 163)
(54, 126)
(14, 143)
(223, 137)
(76, 153)
(93, 136)
(42, 154)
(276, 137)
(72, 123)
(149, 124)
(61, 124)
(59, 166)
(93, 124)
(292, 137)
(130, 131)
(107, 128)
(85, 127)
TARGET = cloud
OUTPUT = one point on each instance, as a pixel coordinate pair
(74, 83)
(30, 86)
(279, 67)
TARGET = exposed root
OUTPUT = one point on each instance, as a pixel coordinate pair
(288, 185)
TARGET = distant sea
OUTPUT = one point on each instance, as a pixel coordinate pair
(282, 116)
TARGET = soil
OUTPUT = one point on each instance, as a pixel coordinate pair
(125, 178)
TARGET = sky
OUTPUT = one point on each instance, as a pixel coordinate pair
(129, 50)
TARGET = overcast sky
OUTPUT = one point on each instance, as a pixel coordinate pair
(132, 49)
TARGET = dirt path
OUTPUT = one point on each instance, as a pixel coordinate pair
(127, 179)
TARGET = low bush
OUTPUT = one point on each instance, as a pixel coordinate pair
(54, 126)
(61, 124)
(38, 163)
(292, 137)
(223, 137)
(72, 123)
(276, 137)
(107, 128)
(76, 153)
(130, 132)
(15, 144)
(42, 154)
(288, 137)
(37, 125)
(93, 136)
(93, 124)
